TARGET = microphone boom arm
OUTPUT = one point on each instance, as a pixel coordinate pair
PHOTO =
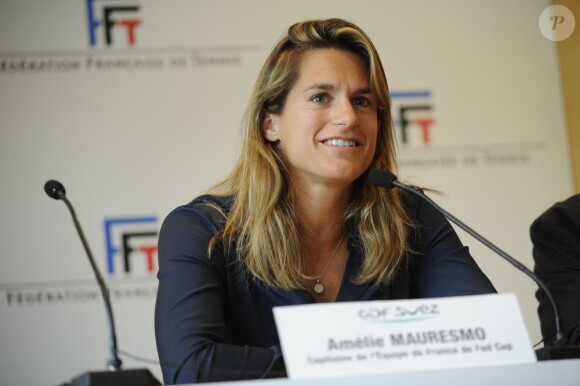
(114, 363)
(560, 338)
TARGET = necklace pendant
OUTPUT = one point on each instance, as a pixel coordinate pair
(318, 288)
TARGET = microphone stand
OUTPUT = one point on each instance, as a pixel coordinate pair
(114, 363)
(115, 375)
(559, 349)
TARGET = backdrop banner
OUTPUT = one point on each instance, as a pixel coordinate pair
(135, 106)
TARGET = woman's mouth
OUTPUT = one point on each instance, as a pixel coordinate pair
(340, 142)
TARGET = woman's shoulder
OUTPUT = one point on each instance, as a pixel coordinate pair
(208, 210)
(422, 214)
(203, 202)
(411, 203)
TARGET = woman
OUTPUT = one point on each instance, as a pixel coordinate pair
(297, 221)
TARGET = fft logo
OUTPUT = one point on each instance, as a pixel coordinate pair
(113, 20)
(134, 241)
(413, 116)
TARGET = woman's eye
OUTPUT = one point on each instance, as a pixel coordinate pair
(362, 102)
(320, 99)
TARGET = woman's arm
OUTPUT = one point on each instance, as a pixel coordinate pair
(190, 327)
(444, 266)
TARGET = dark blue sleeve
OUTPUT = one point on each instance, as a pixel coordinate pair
(190, 320)
(556, 249)
(443, 264)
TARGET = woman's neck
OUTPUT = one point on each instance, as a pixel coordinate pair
(321, 210)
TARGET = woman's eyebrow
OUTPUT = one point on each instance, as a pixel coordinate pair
(320, 86)
(328, 86)
(364, 90)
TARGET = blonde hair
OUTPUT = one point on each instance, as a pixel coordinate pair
(262, 224)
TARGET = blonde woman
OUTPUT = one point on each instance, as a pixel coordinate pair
(297, 221)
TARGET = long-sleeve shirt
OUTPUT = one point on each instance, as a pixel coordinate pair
(556, 239)
(214, 321)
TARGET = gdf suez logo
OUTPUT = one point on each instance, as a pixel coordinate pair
(131, 245)
(413, 116)
(111, 21)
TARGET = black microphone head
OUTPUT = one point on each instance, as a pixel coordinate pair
(53, 188)
(382, 178)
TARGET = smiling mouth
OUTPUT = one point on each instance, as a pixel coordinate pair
(340, 143)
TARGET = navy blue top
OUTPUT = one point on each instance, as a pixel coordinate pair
(555, 236)
(213, 323)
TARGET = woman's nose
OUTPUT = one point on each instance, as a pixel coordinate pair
(345, 113)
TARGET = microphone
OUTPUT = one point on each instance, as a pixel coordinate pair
(57, 191)
(54, 189)
(387, 180)
(115, 375)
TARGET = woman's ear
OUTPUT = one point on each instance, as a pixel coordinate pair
(270, 128)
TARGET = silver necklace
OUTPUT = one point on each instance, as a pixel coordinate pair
(318, 287)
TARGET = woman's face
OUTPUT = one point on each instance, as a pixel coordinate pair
(328, 128)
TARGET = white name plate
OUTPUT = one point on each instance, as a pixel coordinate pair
(375, 337)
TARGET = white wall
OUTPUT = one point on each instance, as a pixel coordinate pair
(138, 142)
